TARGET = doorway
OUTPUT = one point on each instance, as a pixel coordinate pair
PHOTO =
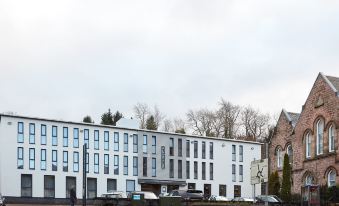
(207, 190)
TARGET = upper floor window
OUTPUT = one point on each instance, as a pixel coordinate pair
(180, 147)
(211, 171)
(43, 134)
(331, 139)
(76, 138)
(171, 147)
(54, 135)
(106, 140)
(135, 143)
(290, 153)
(125, 165)
(54, 160)
(116, 141)
(241, 172)
(154, 144)
(96, 139)
(211, 150)
(106, 163)
(96, 163)
(234, 153)
(76, 162)
(195, 149)
(308, 145)
(279, 158)
(43, 159)
(20, 164)
(20, 132)
(233, 173)
(241, 153)
(320, 137)
(203, 150)
(86, 137)
(144, 145)
(188, 148)
(31, 133)
(171, 168)
(65, 161)
(116, 164)
(135, 166)
(65, 139)
(331, 178)
(154, 167)
(179, 169)
(125, 142)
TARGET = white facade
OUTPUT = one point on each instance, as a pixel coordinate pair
(11, 175)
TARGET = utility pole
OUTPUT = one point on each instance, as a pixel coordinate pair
(84, 174)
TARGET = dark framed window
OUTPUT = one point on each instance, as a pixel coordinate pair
(179, 169)
(211, 171)
(71, 183)
(144, 145)
(180, 147)
(54, 136)
(96, 139)
(125, 142)
(130, 186)
(96, 163)
(233, 173)
(106, 140)
(65, 161)
(116, 164)
(144, 166)
(86, 137)
(241, 176)
(20, 132)
(43, 131)
(111, 185)
(91, 188)
(241, 153)
(222, 190)
(188, 170)
(154, 167)
(76, 138)
(191, 186)
(125, 165)
(54, 160)
(237, 191)
(154, 144)
(31, 158)
(31, 133)
(211, 150)
(188, 148)
(234, 153)
(43, 158)
(203, 150)
(20, 154)
(87, 162)
(65, 136)
(171, 147)
(135, 166)
(195, 149)
(203, 170)
(171, 168)
(135, 143)
(49, 186)
(106, 164)
(26, 185)
(195, 170)
(75, 161)
(116, 141)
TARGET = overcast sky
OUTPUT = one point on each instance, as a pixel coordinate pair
(66, 59)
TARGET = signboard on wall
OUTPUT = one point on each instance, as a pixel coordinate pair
(163, 158)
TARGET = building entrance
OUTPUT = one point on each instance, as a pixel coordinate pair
(155, 188)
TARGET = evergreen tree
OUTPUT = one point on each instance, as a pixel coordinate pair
(116, 117)
(107, 118)
(286, 181)
(151, 124)
(87, 119)
(274, 184)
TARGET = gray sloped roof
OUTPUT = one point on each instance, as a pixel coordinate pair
(334, 81)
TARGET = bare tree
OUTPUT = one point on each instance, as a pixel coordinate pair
(158, 116)
(179, 125)
(229, 115)
(201, 122)
(167, 125)
(256, 124)
(141, 112)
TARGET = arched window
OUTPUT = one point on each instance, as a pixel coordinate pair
(308, 145)
(290, 153)
(320, 137)
(309, 180)
(331, 139)
(279, 158)
(331, 178)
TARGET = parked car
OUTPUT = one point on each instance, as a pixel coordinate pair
(114, 195)
(147, 195)
(2, 200)
(243, 199)
(188, 194)
(271, 199)
(219, 198)
(163, 194)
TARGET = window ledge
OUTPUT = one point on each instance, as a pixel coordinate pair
(320, 156)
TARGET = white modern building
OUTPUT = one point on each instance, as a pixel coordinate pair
(43, 158)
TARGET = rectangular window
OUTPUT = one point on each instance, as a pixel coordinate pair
(87, 162)
(241, 153)
(65, 139)
(43, 158)
(203, 171)
(106, 164)
(49, 186)
(203, 150)
(54, 160)
(211, 171)
(179, 169)
(308, 145)
(211, 150)
(43, 132)
(96, 139)
(106, 140)
(180, 147)
(144, 166)
(171, 168)
(116, 164)
(195, 170)
(188, 170)
(111, 185)
(71, 183)
(144, 145)
(233, 173)
(125, 165)
(237, 191)
(91, 188)
(125, 142)
(188, 149)
(154, 167)
(75, 161)
(31, 133)
(20, 132)
(116, 141)
(241, 177)
(130, 186)
(65, 161)
(222, 190)
(233, 153)
(86, 137)
(54, 135)
(20, 164)
(135, 166)
(154, 144)
(96, 163)
(195, 149)
(31, 158)
(76, 138)
(26, 185)
(171, 147)
(135, 143)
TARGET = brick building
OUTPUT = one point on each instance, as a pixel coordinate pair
(311, 138)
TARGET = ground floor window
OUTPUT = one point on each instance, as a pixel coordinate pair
(222, 190)
(91, 187)
(331, 178)
(191, 186)
(111, 185)
(237, 190)
(49, 186)
(70, 185)
(130, 186)
(26, 185)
